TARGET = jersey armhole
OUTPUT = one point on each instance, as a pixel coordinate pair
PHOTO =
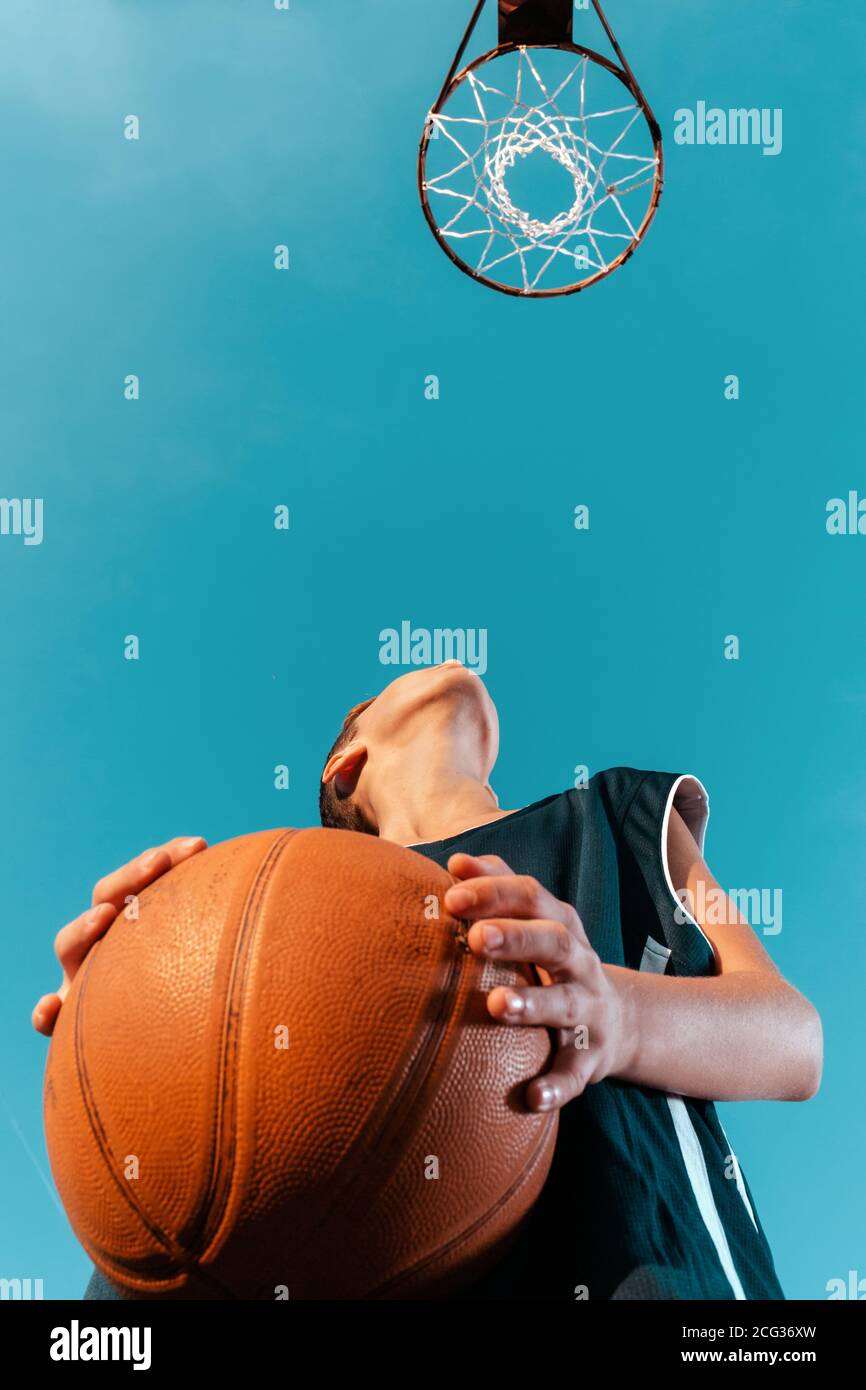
(689, 795)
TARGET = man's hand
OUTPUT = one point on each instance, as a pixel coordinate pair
(109, 898)
(515, 919)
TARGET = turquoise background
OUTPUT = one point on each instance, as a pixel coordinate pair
(307, 388)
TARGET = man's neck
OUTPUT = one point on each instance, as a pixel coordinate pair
(437, 808)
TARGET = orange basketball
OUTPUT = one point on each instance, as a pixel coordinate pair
(282, 1080)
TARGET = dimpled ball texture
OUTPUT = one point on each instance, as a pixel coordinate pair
(278, 1078)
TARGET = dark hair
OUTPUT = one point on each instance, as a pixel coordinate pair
(337, 810)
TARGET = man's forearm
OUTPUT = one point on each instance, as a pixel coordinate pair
(745, 1035)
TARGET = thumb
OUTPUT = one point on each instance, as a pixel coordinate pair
(45, 1014)
(477, 866)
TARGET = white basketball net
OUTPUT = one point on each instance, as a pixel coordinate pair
(608, 154)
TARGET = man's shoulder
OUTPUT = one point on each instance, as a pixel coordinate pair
(619, 784)
(619, 789)
(608, 792)
(612, 792)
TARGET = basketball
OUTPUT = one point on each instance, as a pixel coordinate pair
(276, 1077)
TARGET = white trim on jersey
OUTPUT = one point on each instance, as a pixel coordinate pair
(654, 960)
(692, 821)
(741, 1186)
(697, 823)
(695, 813)
(696, 1167)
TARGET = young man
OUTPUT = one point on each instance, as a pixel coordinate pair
(653, 1010)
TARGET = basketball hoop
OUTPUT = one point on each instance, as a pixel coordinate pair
(539, 96)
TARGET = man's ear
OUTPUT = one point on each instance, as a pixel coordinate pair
(345, 767)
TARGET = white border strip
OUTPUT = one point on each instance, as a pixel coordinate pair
(741, 1186)
(686, 777)
(690, 1145)
(696, 1167)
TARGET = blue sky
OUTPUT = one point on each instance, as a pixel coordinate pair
(307, 388)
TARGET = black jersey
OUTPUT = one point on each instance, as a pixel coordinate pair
(645, 1198)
